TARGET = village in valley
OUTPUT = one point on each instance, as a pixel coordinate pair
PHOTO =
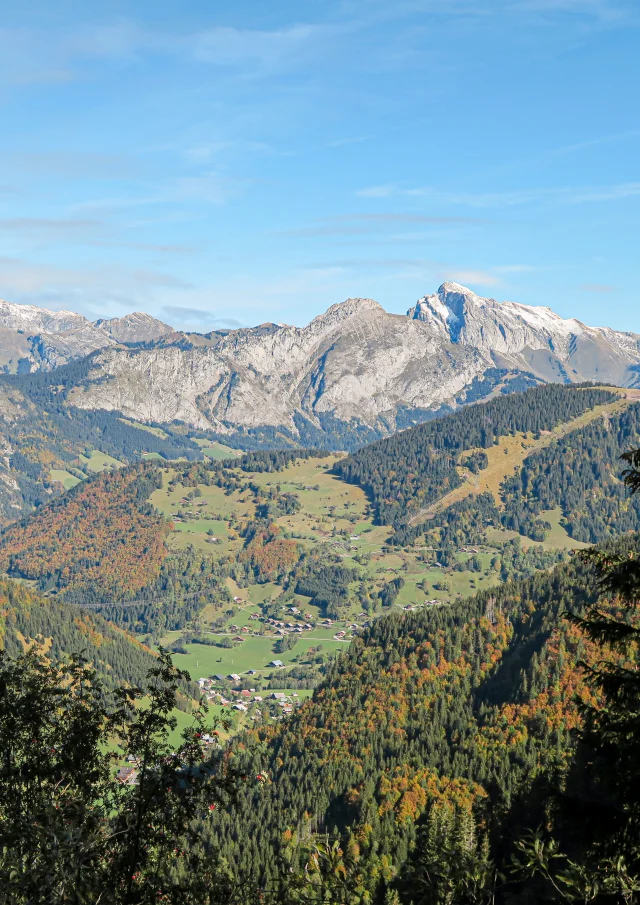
(259, 653)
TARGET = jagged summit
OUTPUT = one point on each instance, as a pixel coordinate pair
(135, 327)
(454, 307)
(528, 336)
(31, 318)
(352, 307)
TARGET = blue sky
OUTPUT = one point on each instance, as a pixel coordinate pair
(224, 163)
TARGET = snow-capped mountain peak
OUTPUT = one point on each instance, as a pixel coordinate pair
(528, 336)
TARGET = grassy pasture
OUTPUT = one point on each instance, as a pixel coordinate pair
(99, 461)
(63, 477)
(335, 516)
(156, 431)
(215, 450)
(255, 653)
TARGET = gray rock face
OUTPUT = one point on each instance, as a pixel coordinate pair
(353, 373)
(37, 339)
(354, 363)
(530, 338)
(30, 319)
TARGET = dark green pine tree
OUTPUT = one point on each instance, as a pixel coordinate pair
(598, 857)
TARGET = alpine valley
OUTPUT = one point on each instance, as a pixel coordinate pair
(361, 541)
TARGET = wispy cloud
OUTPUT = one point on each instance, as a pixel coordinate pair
(395, 218)
(209, 188)
(31, 55)
(76, 164)
(473, 277)
(95, 292)
(341, 142)
(610, 11)
(515, 268)
(380, 191)
(595, 142)
(37, 55)
(199, 317)
(39, 230)
(406, 268)
(514, 198)
(224, 46)
(50, 227)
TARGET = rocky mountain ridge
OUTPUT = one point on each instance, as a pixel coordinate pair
(355, 372)
(352, 375)
(33, 338)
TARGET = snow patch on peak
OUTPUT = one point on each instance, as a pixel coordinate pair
(541, 317)
(506, 328)
(452, 286)
(14, 316)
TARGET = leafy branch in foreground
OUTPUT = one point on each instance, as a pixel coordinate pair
(72, 830)
(570, 880)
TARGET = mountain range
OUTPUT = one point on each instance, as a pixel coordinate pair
(34, 338)
(354, 374)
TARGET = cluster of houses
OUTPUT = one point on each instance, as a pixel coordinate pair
(284, 701)
(416, 606)
(351, 627)
(241, 699)
(280, 627)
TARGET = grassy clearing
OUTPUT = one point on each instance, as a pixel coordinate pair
(216, 451)
(86, 466)
(255, 653)
(63, 477)
(156, 431)
(99, 461)
(557, 538)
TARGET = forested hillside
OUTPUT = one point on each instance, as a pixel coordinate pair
(578, 474)
(581, 474)
(469, 707)
(419, 466)
(60, 630)
(102, 532)
(103, 544)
